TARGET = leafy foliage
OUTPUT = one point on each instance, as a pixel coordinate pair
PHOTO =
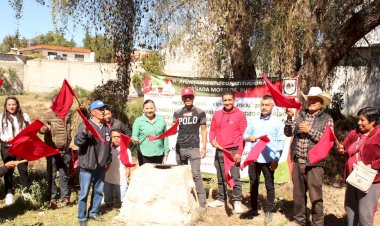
(12, 84)
(153, 63)
(336, 106)
(102, 47)
(13, 41)
(138, 80)
(53, 38)
(35, 55)
(79, 92)
(230, 38)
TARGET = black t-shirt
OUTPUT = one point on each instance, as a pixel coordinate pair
(189, 123)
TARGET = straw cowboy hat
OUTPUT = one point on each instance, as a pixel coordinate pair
(317, 92)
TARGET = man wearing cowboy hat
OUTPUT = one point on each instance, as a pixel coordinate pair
(307, 129)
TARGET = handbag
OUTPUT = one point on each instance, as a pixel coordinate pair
(361, 176)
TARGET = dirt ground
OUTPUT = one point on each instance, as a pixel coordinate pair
(333, 207)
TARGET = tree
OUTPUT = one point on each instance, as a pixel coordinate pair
(290, 37)
(53, 38)
(153, 63)
(309, 38)
(287, 38)
(13, 41)
(102, 47)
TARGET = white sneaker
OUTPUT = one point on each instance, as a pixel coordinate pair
(215, 203)
(9, 199)
(27, 196)
(237, 207)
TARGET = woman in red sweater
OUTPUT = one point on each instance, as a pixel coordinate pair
(365, 140)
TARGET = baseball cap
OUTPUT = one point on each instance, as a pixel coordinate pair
(97, 104)
(187, 92)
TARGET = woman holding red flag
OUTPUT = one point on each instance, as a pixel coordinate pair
(150, 124)
(363, 144)
(13, 120)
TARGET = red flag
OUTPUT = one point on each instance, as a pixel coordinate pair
(255, 151)
(229, 162)
(279, 99)
(147, 84)
(169, 132)
(63, 101)
(1, 82)
(321, 150)
(27, 145)
(89, 127)
(124, 143)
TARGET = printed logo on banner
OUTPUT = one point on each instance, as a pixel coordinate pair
(290, 87)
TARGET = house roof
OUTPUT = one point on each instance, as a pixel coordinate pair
(56, 48)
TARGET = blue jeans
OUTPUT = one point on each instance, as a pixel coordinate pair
(86, 179)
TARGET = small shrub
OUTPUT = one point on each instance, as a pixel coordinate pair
(134, 109)
(40, 192)
(2, 71)
(79, 92)
(12, 73)
(336, 106)
(138, 80)
(35, 55)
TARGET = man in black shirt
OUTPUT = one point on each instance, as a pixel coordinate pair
(191, 118)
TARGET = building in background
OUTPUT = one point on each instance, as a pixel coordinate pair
(61, 53)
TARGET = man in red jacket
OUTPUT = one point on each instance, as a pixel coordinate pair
(226, 131)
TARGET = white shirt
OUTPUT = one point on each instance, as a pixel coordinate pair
(6, 133)
(116, 173)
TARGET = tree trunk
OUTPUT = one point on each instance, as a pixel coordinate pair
(319, 61)
(241, 58)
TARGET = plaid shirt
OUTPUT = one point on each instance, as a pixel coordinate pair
(303, 141)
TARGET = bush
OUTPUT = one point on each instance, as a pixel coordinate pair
(79, 92)
(336, 106)
(134, 109)
(40, 191)
(138, 80)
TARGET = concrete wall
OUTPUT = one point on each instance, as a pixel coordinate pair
(358, 79)
(359, 86)
(43, 75)
(10, 61)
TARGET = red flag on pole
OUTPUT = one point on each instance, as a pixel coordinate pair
(90, 127)
(169, 132)
(279, 99)
(255, 151)
(229, 162)
(27, 145)
(1, 82)
(321, 150)
(124, 143)
(63, 101)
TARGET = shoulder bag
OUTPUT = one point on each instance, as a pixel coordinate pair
(361, 176)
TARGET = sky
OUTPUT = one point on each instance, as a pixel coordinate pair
(36, 20)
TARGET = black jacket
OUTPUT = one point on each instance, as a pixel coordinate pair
(93, 153)
(117, 124)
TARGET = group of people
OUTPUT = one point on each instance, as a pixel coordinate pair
(230, 131)
(101, 169)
